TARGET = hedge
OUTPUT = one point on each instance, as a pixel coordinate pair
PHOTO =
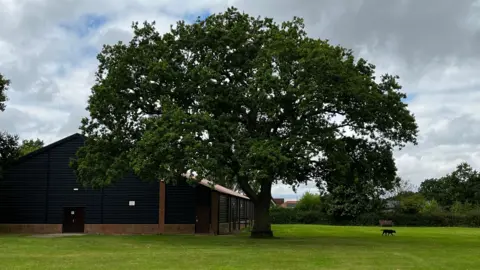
(295, 216)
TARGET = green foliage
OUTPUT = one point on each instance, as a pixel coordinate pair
(296, 216)
(347, 202)
(4, 83)
(462, 186)
(434, 219)
(309, 201)
(8, 143)
(242, 100)
(431, 206)
(411, 202)
(461, 208)
(8, 151)
(28, 146)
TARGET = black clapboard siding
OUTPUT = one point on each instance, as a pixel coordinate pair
(23, 192)
(36, 190)
(63, 182)
(179, 204)
(243, 209)
(116, 209)
(223, 209)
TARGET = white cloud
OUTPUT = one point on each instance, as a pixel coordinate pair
(432, 44)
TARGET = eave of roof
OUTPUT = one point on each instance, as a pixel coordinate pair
(48, 147)
(222, 189)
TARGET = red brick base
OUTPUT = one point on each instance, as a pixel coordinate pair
(122, 228)
(106, 228)
(31, 228)
(89, 228)
(179, 229)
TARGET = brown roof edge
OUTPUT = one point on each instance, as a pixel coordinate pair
(218, 188)
(222, 189)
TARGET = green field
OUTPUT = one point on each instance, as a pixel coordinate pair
(297, 247)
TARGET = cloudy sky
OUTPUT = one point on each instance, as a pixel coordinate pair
(48, 49)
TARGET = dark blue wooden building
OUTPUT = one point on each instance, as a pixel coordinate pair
(40, 194)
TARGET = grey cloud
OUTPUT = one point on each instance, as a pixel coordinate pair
(463, 129)
(23, 123)
(416, 29)
(412, 33)
(73, 123)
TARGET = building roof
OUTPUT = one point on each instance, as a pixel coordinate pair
(222, 189)
(278, 201)
(48, 147)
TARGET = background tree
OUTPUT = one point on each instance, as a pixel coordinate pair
(3, 92)
(8, 143)
(461, 186)
(31, 145)
(309, 201)
(401, 186)
(411, 202)
(356, 174)
(8, 151)
(235, 99)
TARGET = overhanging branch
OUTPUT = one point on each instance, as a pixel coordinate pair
(245, 186)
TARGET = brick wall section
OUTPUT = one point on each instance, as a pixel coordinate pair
(179, 229)
(121, 228)
(224, 228)
(31, 228)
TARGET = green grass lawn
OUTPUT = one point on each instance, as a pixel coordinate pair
(298, 247)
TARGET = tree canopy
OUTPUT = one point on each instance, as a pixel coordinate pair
(30, 145)
(462, 185)
(242, 100)
(8, 143)
(3, 92)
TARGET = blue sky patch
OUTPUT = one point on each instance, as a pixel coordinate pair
(192, 17)
(85, 24)
(409, 98)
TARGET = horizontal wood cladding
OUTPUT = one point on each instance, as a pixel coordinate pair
(116, 209)
(37, 189)
(62, 186)
(223, 211)
(179, 204)
(23, 191)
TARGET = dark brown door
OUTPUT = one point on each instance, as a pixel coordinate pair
(202, 224)
(73, 220)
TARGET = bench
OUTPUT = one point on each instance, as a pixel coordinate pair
(385, 223)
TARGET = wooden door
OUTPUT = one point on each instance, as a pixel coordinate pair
(73, 220)
(202, 224)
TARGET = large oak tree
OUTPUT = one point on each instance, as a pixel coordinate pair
(238, 100)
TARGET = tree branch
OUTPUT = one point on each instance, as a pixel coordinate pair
(245, 186)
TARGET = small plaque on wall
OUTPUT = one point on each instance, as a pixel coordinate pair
(131, 203)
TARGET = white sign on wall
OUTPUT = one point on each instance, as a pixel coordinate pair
(131, 203)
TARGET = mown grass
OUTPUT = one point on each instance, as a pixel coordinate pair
(297, 247)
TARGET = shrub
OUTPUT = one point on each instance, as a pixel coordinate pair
(309, 201)
(435, 219)
(431, 207)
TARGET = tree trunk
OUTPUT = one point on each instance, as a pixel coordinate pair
(261, 225)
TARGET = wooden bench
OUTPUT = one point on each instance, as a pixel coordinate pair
(385, 223)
